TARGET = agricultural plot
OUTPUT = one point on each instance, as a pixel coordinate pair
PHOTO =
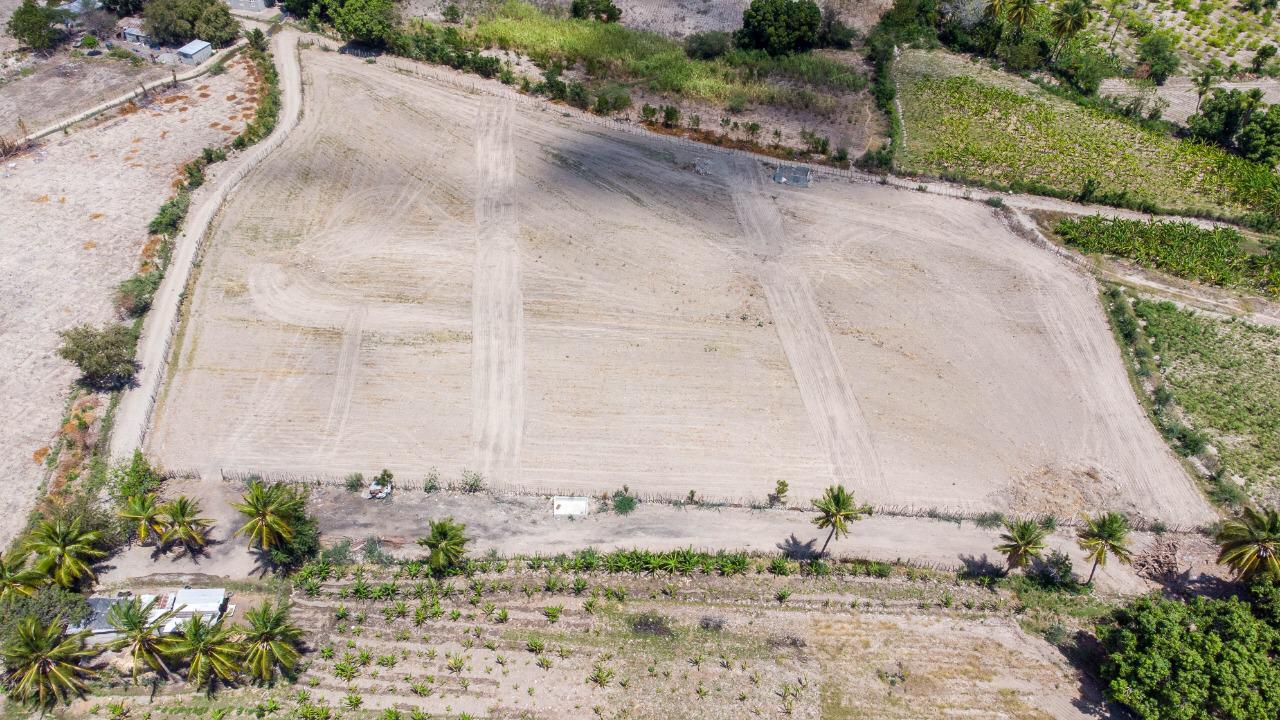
(1206, 30)
(966, 121)
(528, 638)
(453, 281)
(40, 91)
(74, 212)
(1225, 377)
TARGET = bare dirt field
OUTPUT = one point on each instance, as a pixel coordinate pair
(453, 280)
(40, 91)
(1180, 93)
(74, 213)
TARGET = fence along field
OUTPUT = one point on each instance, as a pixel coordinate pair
(333, 331)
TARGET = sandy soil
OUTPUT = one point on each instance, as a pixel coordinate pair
(75, 211)
(1180, 92)
(62, 85)
(671, 338)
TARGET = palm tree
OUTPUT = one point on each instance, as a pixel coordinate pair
(1022, 541)
(1069, 18)
(1250, 545)
(1020, 14)
(1104, 536)
(66, 552)
(447, 543)
(1204, 83)
(836, 509)
(142, 636)
(210, 649)
(15, 577)
(1117, 10)
(183, 524)
(270, 511)
(43, 663)
(145, 513)
(270, 641)
(996, 8)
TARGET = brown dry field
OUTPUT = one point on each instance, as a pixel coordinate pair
(73, 219)
(447, 279)
(63, 85)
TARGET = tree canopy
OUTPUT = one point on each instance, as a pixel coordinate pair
(1200, 660)
(780, 27)
(371, 22)
(180, 21)
(32, 25)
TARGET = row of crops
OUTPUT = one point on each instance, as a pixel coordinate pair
(967, 122)
(1225, 376)
(1212, 255)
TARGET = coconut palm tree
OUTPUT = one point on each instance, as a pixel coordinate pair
(16, 578)
(995, 8)
(270, 641)
(1250, 545)
(1106, 535)
(836, 509)
(447, 543)
(43, 663)
(1069, 18)
(270, 511)
(1022, 540)
(141, 636)
(145, 514)
(210, 650)
(66, 551)
(1117, 10)
(1020, 13)
(183, 524)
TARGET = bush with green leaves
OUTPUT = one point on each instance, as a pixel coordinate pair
(33, 23)
(602, 10)
(1199, 660)
(180, 21)
(370, 22)
(708, 45)
(1158, 51)
(104, 356)
(780, 27)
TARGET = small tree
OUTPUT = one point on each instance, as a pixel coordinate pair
(447, 543)
(1250, 544)
(43, 664)
(105, 357)
(141, 635)
(371, 22)
(1159, 52)
(1262, 57)
(1021, 541)
(780, 27)
(270, 642)
(257, 39)
(602, 10)
(836, 510)
(1106, 535)
(32, 25)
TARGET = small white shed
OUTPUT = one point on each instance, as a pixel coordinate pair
(195, 52)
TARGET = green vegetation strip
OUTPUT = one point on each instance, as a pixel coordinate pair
(1225, 375)
(611, 51)
(965, 122)
(1213, 255)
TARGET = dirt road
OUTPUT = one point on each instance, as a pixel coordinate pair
(134, 412)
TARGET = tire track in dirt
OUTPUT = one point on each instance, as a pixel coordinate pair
(497, 308)
(833, 410)
(345, 376)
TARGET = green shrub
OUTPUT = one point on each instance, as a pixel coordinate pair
(780, 27)
(171, 214)
(104, 356)
(134, 295)
(708, 45)
(1200, 660)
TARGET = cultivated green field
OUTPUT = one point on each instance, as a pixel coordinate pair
(966, 121)
(1225, 375)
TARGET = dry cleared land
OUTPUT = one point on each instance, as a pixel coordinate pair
(73, 223)
(443, 279)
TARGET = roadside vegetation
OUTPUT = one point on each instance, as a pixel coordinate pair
(590, 61)
(1218, 256)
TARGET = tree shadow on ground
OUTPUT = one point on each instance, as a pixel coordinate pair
(796, 549)
(976, 567)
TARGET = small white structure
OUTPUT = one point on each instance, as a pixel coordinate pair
(131, 31)
(570, 505)
(248, 5)
(195, 52)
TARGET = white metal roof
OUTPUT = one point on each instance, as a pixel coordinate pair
(193, 47)
(199, 600)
